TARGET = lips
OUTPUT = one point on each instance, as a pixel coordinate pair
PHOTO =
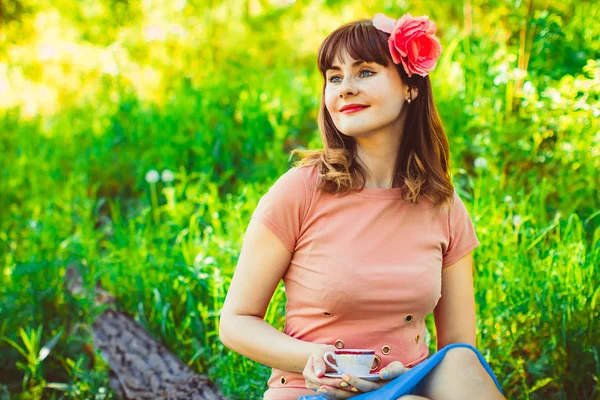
(351, 108)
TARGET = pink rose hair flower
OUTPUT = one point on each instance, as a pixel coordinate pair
(412, 42)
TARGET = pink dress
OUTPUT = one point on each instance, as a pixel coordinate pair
(365, 270)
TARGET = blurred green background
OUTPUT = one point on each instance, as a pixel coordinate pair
(137, 136)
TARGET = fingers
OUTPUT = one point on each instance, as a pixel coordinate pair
(310, 374)
(335, 393)
(319, 367)
(392, 370)
(314, 381)
(357, 385)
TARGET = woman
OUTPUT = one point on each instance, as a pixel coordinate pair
(367, 234)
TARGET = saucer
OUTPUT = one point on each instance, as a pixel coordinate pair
(368, 377)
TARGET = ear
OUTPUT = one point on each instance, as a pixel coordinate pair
(414, 92)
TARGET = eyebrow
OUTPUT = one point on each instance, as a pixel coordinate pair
(354, 64)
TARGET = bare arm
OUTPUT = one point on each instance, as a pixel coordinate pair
(262, 263)
(454, 314)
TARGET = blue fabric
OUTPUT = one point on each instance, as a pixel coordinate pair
(407, 382)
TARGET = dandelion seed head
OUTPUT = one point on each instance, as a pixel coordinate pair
(152, 176)
(33, 224)
(167, 176)
(481, 163)
(517, 219)
(567, 146)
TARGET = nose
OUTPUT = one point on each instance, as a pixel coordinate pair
(347, 88)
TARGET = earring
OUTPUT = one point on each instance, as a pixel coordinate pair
(409, 100)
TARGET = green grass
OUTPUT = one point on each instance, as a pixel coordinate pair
(525, 159)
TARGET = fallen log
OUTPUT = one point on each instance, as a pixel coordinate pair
(141, 367)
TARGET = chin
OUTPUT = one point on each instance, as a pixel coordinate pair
(354, 132)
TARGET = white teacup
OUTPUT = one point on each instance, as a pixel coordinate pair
(357, 362)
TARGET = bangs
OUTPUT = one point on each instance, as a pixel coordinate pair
(360, 40)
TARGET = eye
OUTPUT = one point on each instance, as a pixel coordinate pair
(360, 72)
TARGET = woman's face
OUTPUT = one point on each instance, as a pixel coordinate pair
(371, 84)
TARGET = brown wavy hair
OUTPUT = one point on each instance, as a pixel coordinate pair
(422, 163)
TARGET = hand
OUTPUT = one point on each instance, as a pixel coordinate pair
(358, 386)
(315, 369)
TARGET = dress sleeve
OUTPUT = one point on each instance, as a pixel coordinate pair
(463, 238)
(283, 207)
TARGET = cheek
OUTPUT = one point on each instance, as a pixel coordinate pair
(330, 102)
(393, 100)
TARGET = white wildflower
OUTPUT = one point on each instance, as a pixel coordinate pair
(198, 260)
(518, 73)
(517, 219)
(481, 163)
(152, 176)
(209, 260)
(34, 224)
(528, 87)
(499, 79)
(167, 176)
(567, 146)
(553, 94)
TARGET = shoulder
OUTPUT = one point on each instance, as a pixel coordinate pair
(295, 185)
(451, 203)
(295, 178)
(308, 173)
(458, 213)
(300, 178)
(456, 202)
(456, 197)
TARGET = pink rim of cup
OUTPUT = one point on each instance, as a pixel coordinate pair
(355, 351)
(359, 367)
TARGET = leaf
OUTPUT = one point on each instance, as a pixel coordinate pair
(540, 384)
(15, 345)
(197, 354)
(25, 338)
